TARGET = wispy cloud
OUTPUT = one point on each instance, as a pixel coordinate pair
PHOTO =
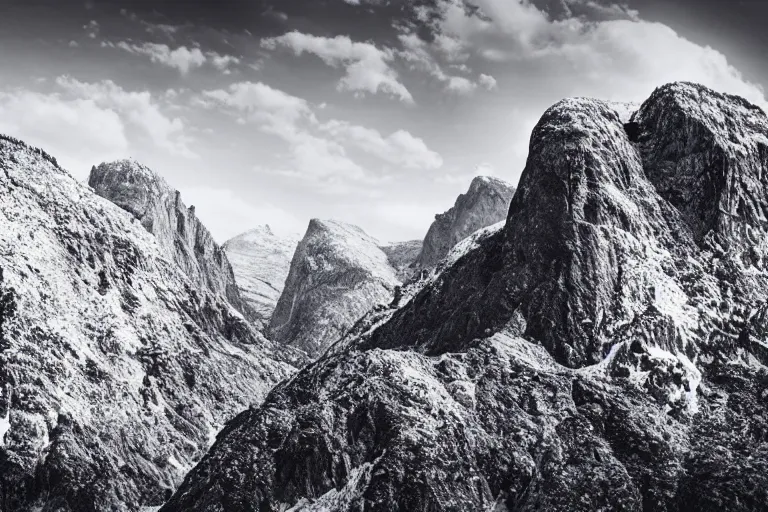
(92, 29)
(319, 150)
(367, 66)
(135, 108)
(183, 58)
(421, 55)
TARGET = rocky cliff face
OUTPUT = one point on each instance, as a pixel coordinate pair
(261, 261)
(402, 256)
(485, 203)
(605, 349)
(337, 274)
(116, 368)
(159, 208)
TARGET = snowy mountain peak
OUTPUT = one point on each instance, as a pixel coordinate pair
(261, 261)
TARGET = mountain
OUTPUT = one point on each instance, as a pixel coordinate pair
(402, 255)
(337, 274)
(117, 367)
(261, 261)
(356, 272)
(603, 349)
(485, 203)
(159, 208)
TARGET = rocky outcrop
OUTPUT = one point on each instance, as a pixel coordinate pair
(337, 274)
(116, 368)
(603, 350)
(402, 256)
(261, 261)
(485, 203)
(159, 208)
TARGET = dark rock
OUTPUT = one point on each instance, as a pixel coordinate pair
(485, 203)
(587, 356)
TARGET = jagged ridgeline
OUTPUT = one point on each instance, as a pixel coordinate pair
(339, 272)
(119, 362)
(604, 349)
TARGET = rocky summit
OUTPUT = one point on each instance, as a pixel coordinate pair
(117, 365)
(159, 208)
(337, 274)
(603, 349)
(484, 204)
(261, 261)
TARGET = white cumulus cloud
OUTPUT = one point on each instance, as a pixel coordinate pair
(367, 67)
(137, 109)
(78, 131)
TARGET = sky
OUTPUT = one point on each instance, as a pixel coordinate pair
(373, 112)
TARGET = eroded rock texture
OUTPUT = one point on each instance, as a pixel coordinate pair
(159, 208)
(116, 368)
(337, 274)
(605, 349)
(485, 203)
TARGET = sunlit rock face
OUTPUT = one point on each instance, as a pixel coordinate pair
(261, 261)
(337, 274)
(117, 365)
(159, 208)
(484, 204)
(603, 349)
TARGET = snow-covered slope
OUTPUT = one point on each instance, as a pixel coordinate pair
(337, 274)
(604, 350)
(117, 369)
(484, 204)
(159, 208)
(261, 261)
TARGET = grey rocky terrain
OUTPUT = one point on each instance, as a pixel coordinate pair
(603, 349)
(337, 274)
(160, 209)
(261, 261)
(485, 203)
(120, 355)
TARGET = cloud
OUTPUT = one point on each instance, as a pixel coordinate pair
(78, 131)
(319, 151)
(135, 109)
(605, 50)
(273, 108)
(367, 67)
(92, 29)
(291, 119)
(400, 148)
(488, 82)
(421, 55)
(227, 215)
(222, 62)
(183, 59)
